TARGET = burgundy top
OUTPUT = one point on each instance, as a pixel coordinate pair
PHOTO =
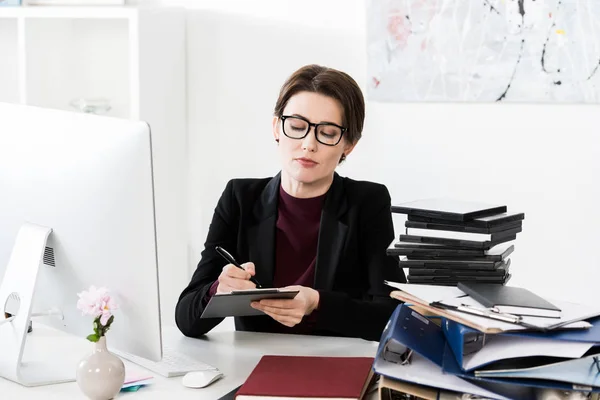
(298, 223)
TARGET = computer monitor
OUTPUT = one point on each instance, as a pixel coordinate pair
(89, 179)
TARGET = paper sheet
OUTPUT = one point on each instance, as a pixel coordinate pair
(428, 293)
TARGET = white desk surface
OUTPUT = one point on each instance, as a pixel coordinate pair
(234, 353)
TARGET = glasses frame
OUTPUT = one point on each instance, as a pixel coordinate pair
(310, 124)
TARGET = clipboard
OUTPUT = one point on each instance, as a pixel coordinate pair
(237, 302)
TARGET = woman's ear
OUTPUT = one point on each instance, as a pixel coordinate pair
(275, 131)
(348, 149)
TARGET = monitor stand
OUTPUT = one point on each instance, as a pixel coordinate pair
(17, 290)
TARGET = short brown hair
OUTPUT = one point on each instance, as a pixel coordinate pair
(331, 83)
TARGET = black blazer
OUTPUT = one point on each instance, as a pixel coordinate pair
(356, 228)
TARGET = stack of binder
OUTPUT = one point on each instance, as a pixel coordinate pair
(440, 352)
(450, 241)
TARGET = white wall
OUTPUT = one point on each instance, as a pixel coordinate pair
(236, 64)
(541, 161)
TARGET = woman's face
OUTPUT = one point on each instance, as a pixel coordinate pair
(306, 160)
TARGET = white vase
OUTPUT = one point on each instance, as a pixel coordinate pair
(101, 375)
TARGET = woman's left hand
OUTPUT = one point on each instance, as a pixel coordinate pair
(290, 312)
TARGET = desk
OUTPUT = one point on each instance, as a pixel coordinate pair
(234, 353)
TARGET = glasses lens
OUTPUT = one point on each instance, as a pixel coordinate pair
(329, 134)
(295, 127)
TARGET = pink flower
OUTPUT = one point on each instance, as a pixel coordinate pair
(107, 306)
(96, 302)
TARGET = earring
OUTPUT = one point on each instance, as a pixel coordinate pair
(277, 140)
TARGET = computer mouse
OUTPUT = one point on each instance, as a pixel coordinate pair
(200, 379)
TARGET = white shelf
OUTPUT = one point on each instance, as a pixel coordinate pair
(80, 59)
(9, 66)
(72, 12)
(134, 57)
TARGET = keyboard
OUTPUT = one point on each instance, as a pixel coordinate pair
(173, 363)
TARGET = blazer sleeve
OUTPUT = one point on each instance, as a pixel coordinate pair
(366, 318)
(192, 301)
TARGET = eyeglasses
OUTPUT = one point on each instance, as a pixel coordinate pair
(297, 128)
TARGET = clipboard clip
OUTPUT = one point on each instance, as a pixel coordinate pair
(491, 313)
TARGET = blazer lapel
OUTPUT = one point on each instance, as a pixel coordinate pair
(261, 236)
(332, 235)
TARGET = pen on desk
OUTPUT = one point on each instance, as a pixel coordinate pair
(228, 257)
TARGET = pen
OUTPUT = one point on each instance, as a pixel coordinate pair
(225, 254)
(493, 314)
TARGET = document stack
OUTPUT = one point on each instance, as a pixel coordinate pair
(441, 343)
(450, 241)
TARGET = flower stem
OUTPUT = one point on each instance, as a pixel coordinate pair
(99, 329)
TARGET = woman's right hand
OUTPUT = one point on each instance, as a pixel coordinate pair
(233, 278)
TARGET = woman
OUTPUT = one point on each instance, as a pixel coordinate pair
(306, 228)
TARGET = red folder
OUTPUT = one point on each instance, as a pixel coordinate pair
(298, 377)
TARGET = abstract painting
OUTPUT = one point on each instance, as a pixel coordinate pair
(484, 50)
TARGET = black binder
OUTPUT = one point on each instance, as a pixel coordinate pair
(449, 280)
(482, 222)
(498, 253)
(457, 242)
(462, 228)
(427, 251)
(454, 264)
(457, 272)
(448, 209)
(511, 300)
